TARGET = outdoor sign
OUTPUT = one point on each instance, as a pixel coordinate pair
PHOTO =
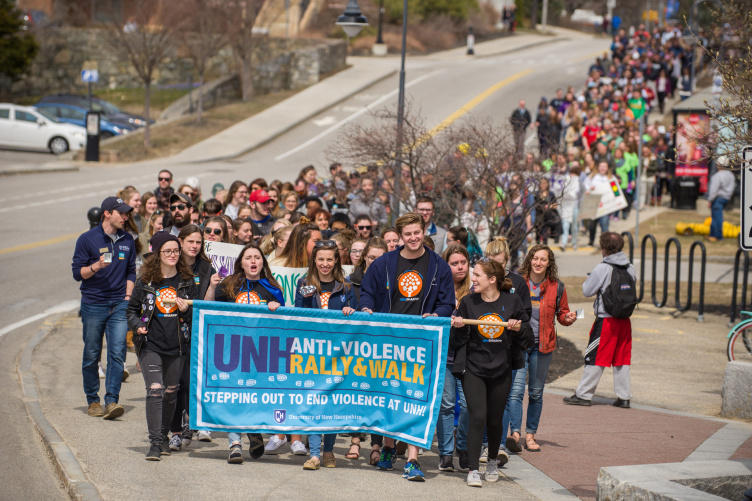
(745, 236)
(89, 75)
(301, 370)
(691, 157)
(603, 200)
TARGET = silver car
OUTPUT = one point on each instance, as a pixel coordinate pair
(25, 127)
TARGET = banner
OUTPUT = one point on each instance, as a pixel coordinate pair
(310, 371)
(604, 199)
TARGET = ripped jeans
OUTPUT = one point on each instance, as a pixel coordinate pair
(161, 377)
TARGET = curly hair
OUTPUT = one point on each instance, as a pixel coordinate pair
(151, 270)
(552, 272)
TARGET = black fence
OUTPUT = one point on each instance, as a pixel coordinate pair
(745, 285)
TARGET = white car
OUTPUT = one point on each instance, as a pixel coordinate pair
(25, 127)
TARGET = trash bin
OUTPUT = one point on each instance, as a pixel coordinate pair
(686, 191)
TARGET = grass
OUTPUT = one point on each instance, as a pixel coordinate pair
(131, 100)
(663, 227)
(173, 137)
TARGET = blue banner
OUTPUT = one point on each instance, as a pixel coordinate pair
(310, 371)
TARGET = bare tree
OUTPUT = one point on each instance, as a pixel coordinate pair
(145, 42)
(204, 35)
(245, 36)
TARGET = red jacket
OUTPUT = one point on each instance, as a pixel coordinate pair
(548, 314)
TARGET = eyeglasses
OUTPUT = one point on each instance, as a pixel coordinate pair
(165, 179)
(364, 227)
(216, 231)
(325, 244)
(171, 252)
(177, 207)
(356, 251)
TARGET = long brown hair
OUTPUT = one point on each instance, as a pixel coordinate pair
(312, 277)
(373, 243)
(294, 253)
(552, 271)
(233, 283)
(495, 269)
(222, 223)
(145, 198)
(188, 230)
(151, 270)
(231, 192)
(463, 289)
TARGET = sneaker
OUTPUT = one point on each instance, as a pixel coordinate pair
(113, 410)
(126, 374)
(386, 462)
(95, 410)
(483, 454)
(187, 436)
(473, 479)
(464, 460)
(204, 436)
(165, 447)
(575, 400)
(236, 455)
(176, 442)
(492, 471)
(503, 457)
(102, 375)
(446, 463)
(274, 444)
(256, 448)
(413, 472)
(298, 448)
(154, 454)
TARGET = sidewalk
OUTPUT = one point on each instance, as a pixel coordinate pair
(575, 441)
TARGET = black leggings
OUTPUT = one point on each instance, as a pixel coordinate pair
(161, 376)
(486, 400)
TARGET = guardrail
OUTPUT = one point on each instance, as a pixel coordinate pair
(745, 285)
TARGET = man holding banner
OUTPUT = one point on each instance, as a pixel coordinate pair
(410, 280)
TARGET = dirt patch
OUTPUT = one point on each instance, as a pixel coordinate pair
(566, 359)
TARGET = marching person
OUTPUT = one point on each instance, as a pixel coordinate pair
(325, 287)
(250, 283)
(410, 280)
(105, 263)
(162, 339)
(483, 359)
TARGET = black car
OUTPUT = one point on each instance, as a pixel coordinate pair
(114, 114)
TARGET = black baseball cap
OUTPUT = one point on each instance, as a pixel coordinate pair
(160, 238)
(115, 204)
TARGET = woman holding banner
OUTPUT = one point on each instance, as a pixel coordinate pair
(483, 359)
(250, 283)
(325, 287)
(162, 340)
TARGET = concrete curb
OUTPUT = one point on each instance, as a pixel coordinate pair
(69, 470)
(521, 47)
(37, 169)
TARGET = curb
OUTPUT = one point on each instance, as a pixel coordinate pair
(521, 47)
(69, 470)
(37, 169)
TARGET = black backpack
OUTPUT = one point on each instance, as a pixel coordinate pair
(620, 298)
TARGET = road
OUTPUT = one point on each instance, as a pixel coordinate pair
(41, 215)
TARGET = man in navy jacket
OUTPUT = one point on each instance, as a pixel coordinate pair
(410, 280)
(105, 263)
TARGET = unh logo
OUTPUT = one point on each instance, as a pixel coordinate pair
(280, 415)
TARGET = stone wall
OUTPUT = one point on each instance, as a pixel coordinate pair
(279, 64)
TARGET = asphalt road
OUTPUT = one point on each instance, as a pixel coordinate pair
(41, 215)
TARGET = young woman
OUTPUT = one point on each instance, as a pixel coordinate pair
(548, 219)
(459, 261)
(215, 230)
(237, 195)
(242, 230)
(372, 251)
(332, 292)
(364, 227)
(391, 237)
(244, 211)
(483, 359)
(277, 239)
(549, 299)
(308, 175)
(596, 179)
(148, 205)
(251, 283)
(298, 250)
(570, 209)
(161, 340)
(290, 201)
(344, 240)
(356, 249)
(320, 218)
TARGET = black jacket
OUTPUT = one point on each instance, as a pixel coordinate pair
(203, 271)
(356, 278)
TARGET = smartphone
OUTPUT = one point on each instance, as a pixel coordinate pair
(108, 257)
(308, 290)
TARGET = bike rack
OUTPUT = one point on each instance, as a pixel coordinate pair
(654, 269)
(631, 245)
(745, 284)
(700, 316)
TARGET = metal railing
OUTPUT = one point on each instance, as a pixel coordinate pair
(745, 285)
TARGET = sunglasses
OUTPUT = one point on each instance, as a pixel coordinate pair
(216, 231)
(364, 227)
(177, 207)
(325, 244)
(165, 179)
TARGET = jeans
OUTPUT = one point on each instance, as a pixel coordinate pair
(445, 424)
(314, 444)
(716, 210)
(594, 223)
(574, 225)
(536, 364)
(99, 320)
(161, 377)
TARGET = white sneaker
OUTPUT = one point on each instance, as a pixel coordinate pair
(473, 479)
(204, 436)
(176, 442)
(102, 375)
(298, 448)
(503, 457)
(492, 471)
(274, 444)
(483, 454)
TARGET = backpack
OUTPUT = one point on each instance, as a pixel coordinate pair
(620, 298)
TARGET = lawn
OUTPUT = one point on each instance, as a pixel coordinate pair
(131, 100)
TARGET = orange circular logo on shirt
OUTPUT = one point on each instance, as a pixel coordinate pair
(410, 283)
(248, 298)
(491, 331)
(325, 300)
(166, 293)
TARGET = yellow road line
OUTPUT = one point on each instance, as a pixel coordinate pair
(41, 243)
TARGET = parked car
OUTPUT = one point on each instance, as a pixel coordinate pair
(73, 114)
(114, 114)
(25, 127)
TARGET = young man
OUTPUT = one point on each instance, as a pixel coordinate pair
(722, 185)
(164, 190)
(181, 208)
(105, 263)
(425, 207)
(212, 207)
(261, 204)
(432, 294)
(610, 341)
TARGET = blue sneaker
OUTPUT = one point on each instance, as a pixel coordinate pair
(386, 462)
(413, 472)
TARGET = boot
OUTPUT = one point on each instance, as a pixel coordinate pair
(129, 342)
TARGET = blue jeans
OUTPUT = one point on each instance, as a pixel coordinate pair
(314, 444)
(716, 210)
(574, 225)
(445, 424)
(536, 364)
(99, 320)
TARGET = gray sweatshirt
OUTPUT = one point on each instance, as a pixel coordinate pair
(600, 279)
(722, 185)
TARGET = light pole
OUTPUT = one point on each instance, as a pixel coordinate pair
(352, 20)
(693, 29)
(380, 48)
(400, 115)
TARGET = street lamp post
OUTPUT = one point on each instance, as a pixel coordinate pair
(400, 115)
(693, 28)
(380, 48)
(352, 20)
